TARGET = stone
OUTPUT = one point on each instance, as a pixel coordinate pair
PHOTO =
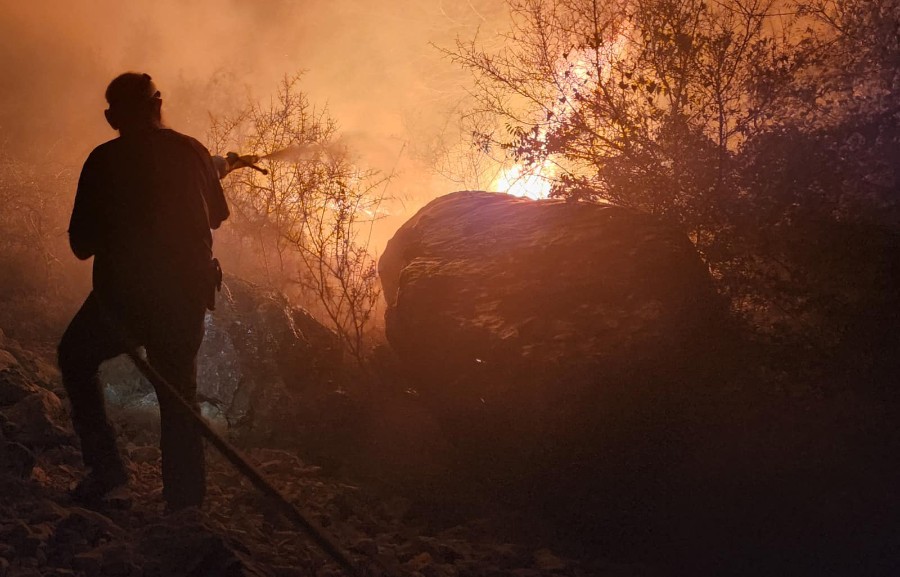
(441, 570)
(89, 562)
(91, 526)
(419, 562)
(16, 459)
(288, 571)
(7, 361)
(525, 322)
(545, 560)
(35, 368)
(14, 384)
(23, 538)
(258, 355)
(116, 560)
(144, 454)
(480, 278)
(367, 547)
(185, 541)
(255, 336)
(507, 556)
(37, 418)
(47, 511)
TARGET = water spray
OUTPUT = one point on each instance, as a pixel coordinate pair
(292, 153)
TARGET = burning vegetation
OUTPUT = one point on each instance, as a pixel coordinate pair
(669, 349)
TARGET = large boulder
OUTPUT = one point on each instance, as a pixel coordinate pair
(541, 316)
(259, 351)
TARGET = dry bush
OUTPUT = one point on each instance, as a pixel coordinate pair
(35, 275)
(308, 220)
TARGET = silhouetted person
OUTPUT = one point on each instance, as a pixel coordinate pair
(145, 205)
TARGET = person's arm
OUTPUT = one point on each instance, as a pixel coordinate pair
(221, 166)
(216, 205)
(85, 225)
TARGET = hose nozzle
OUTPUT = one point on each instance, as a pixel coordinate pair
(233, 161)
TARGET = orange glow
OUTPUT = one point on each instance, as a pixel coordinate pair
(518, 181)
(579, 70)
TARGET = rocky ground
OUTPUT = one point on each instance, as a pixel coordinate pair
(42, 532)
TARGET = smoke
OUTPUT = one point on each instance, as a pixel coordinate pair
(369, 61)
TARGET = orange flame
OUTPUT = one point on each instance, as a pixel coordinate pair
(576, 70)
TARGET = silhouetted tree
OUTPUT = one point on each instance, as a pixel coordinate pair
(767, 131)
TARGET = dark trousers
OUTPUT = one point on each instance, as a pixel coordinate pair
(171, 335)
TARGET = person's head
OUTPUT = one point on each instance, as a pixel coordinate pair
(134, 102)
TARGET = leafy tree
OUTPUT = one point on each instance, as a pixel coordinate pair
(766, 131)
(642, 104)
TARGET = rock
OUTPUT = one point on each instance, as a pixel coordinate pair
(16, 459)
(36, 369)
(24, 538)
(37, 419)
(259, 351)
(84, 525)
(526, 321)
(258, 355)
(47, 511)
(89, 562)
(288, 571)
(144, 454)
(7, 361)
(59, 572)
(507, 556)
(8, 429)
(39, 476)
(545, 560)
(441, 570)
(367, 547)
(14, 385)
(116, 560)
(419, 562)
(182, 542)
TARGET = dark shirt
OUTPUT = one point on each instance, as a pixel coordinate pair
(144, 208)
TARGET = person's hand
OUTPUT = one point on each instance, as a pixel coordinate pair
(233, 161)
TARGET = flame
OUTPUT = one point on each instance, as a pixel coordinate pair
(534, 183)
(576, 70)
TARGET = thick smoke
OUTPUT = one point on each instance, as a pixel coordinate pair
(370, 61)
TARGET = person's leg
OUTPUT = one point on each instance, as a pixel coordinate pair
(183, 461)
(85, 344)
